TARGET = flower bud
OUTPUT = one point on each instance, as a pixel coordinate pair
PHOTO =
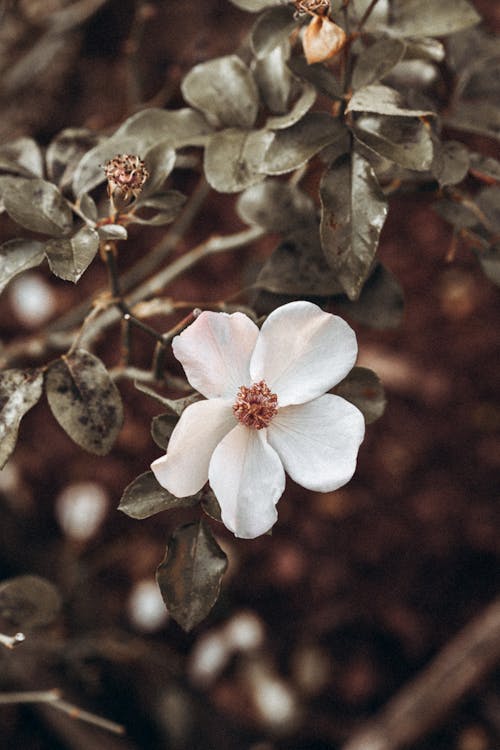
(126, 175)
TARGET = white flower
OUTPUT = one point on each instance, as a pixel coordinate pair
(266, 411)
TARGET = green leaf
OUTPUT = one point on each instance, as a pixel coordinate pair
(145, 496)
(382, 100)
(65, 151)
(29, 602)
(403, 140)
(70, 258)
(380, 304)
(276, 206)
(224, 90)
(19, 391)
(451, 162)
(376, 61)
(17, 256)
(431, 18)
(22, 156)
(85, 401)
(292, 147)
(233, 159)
(190, 576)
(363, 388)
(298, 267)
(274, 79)
(38, 205)
(271, 29)
(354, 210)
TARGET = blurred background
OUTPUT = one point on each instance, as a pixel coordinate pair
(320, 625)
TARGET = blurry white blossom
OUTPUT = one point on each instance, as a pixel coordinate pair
(267, 411)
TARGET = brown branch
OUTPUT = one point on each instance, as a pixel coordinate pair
(425, 701)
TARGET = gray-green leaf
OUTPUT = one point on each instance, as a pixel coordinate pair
(451, 162)
(431, 18)
(223, 89)
(145, 496)
(276, 206)
(354, 210)
(29, 602)
(363, 388)
(190, 576)
(233, 158)
(380, 304)
(377, 61)
(70, 258)
(383, 100)
(271, 29)
(85, 401)
(292, 147)
(38, 205)
(22, 156)
(17, 256)
(19, 391)
(403, 140)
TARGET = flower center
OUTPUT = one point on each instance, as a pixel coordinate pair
(255, 406)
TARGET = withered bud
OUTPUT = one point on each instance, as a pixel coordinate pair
(322, 39)
(312, 7)
(126, 175)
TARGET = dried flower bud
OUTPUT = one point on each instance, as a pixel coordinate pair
(323, 39)
(312, 7)
(126, 175)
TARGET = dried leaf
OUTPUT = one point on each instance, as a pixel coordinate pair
(190, 576)
(323, 39)
(85, 401)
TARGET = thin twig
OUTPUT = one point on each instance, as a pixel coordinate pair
(366, 15)
(53, 697)
(422, 703)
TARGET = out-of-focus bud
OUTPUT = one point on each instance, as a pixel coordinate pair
(322, 40)
(126, 175)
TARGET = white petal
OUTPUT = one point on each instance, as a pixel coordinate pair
(248, 480)
(318, 442)
(215, 352)
(184, 469)
(302, 352)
